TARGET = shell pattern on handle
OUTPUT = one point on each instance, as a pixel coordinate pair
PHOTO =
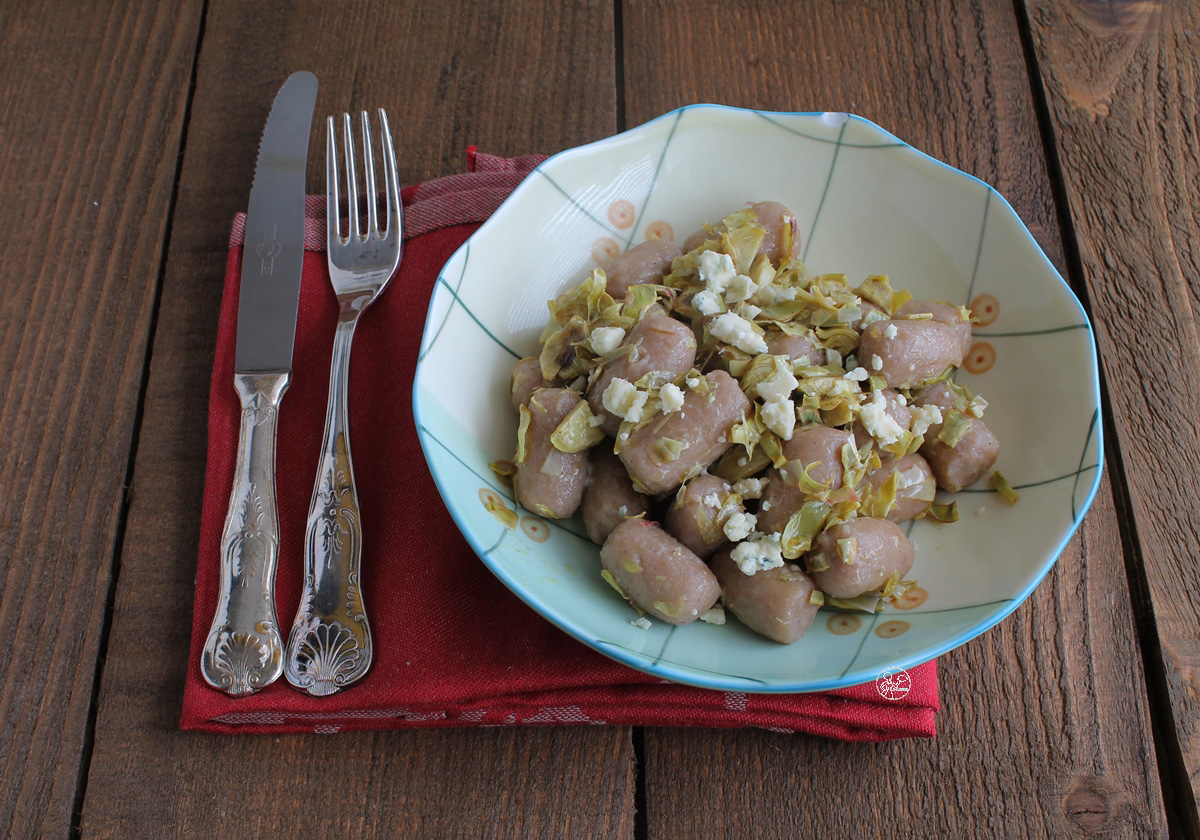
(330, 647)
(244, 649)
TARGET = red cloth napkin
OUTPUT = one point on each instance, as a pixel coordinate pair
(453, 646)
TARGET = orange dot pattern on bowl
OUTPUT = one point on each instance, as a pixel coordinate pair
(490, 497)
(535, 529)
(660, 230)
(843, 624)
(604, 249)
(892, 629)
(980, 358)
(621, 214)
(985, 309)
(912, 598)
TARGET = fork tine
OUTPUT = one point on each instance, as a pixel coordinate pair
(333, 221)
(351, 176)
(394, 221)
(369, 179)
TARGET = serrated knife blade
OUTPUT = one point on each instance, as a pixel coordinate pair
(243, 652)
(274, 253)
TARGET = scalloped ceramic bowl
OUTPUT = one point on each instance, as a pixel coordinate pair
(865, 203)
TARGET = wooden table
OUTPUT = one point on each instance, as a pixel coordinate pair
(126, 130)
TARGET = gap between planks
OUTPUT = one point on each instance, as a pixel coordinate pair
(641, 825)
(89, 735)
(1178, 800)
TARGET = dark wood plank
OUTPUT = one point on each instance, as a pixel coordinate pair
(1121, 83)
(91, 115)
(449, 76)
(1045, 728)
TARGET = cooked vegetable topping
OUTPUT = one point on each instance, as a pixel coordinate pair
(505, 515)
(665, 450)
(944, 512)
(1000, 483)
(578, 431)
(954, 427)
(522, 429)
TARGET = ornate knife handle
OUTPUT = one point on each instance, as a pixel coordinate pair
(330, 643)
(244, 649)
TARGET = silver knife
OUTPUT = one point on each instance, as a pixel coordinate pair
(244, 649)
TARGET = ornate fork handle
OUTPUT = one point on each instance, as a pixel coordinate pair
(330, 643)
(244, 650)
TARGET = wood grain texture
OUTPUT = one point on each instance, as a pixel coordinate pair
(1121, 83)
(448, 76)
(1045, 728)
(91, 113)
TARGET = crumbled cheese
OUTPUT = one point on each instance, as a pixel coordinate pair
(923, 417)
(878, 423)
(623, 399)
(750, 488)
(757, 554)
(779, 416)
(890, 332)
(671, 397)
(712, 500)
(606, 339)
(736, 330)
(692, 382)
(765, 506)
(641, 621)
(858, 375)
(780, 386)
(876, 362)
(714, 615)
(707, 302)
(740, 287)
(716, 270)
(739, 526)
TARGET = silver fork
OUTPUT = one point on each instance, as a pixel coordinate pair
(329, 647)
